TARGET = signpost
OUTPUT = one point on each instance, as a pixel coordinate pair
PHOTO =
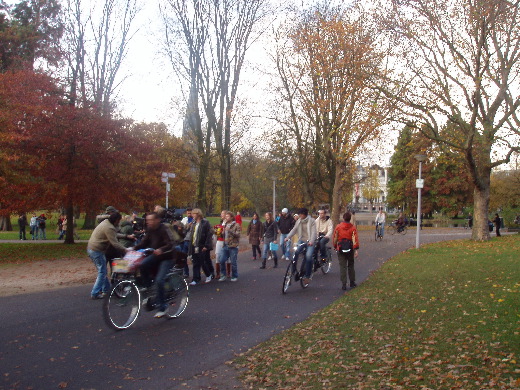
(164, 178)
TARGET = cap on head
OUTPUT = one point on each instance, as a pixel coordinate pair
(110, 210)
(284, 210)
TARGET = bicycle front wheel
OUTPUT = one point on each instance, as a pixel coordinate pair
(325, 267)
(121, 307)
(177, 293)
(287, 279)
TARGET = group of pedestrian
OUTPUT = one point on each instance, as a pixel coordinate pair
(37, 226)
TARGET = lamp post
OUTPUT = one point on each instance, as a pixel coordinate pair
(420, 185)
(274, 197)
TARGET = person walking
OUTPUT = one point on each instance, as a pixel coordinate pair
(22, 224)
(230, 248)
(201, 240)
(346, 242)
(255, 231)
(103, 236)
(497, 221)
(285, 225)
(218, 229)
(269, 237)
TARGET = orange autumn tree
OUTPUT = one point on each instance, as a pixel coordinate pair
(328, 69)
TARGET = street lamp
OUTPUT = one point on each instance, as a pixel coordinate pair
(274, 196)
(420, 185)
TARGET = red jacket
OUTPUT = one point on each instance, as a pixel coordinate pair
(345, 230)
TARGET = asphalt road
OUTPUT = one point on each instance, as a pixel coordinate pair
(57, 339)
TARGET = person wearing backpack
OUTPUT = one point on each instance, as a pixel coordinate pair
(346, 242)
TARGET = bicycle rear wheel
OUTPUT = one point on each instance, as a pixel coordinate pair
(177, 293)
(121, 307)
(287, 279)
(393, 229)
(325, 267)
(403, 231)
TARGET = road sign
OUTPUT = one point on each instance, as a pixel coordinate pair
(419, 183)
(164, 179)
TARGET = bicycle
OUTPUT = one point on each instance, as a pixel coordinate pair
(398, 229)
(290, 273)
(379, 232)
(122, 305)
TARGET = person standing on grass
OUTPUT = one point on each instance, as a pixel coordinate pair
(346, 242)
(22, 224)
(34, 227)
(497, 222)
(103, 236)
(255, 231)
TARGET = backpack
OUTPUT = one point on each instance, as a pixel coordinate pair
(346, 245)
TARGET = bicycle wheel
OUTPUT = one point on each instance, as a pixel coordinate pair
(121, 307)
(393, 229)
(177, 294)
(287, 279)
(325, 267)
(403, 231)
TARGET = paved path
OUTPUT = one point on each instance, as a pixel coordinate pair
(57, 339)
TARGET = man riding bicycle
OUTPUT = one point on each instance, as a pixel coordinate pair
(159, 237)
(325, 228)
(380, 221)
(305, 227)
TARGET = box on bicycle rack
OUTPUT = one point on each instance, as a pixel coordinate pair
(120, 266)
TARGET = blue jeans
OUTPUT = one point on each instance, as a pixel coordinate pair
(102, 284)
(42, 233)
(285, 246)
(382, 228)
(231, 253)
(266, 249)
(163, 266)
(308, 256)
(323, 246)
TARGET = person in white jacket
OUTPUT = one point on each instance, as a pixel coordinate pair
(381, 218)
(324, 229)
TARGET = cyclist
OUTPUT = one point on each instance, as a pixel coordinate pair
(305, 227)
(325, 228)
(159, 237)
(380, 220)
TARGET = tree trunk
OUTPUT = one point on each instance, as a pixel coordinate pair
(5, 223)
(90, 220)
(69, 234)
(480, 231)
(201, 184)
(335, 213)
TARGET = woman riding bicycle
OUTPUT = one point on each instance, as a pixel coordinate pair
(305, 227)
(380, 221)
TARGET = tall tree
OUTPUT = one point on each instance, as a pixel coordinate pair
(215, 36)
(328, 71)
(460, 64)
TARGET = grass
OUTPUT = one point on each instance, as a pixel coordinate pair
(446, 316)
(28, 252)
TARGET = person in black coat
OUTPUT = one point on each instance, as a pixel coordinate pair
(497, 222)
(200, 237)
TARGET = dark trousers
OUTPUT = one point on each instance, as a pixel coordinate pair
(346, 262)
(22, 233)
(323, 246)
(256, 249)
(202, 259)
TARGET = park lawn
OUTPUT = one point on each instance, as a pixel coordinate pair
(446, 316)
(11, 253)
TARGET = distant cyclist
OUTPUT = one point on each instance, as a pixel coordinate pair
(400, 223)
(380, 219)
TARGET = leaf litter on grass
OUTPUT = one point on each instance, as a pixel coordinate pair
(444, 316)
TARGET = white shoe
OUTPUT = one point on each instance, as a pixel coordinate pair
(222, 278)
(234, 279)
(193, 283)
(208, 279)
(283, 257)
(160, 313)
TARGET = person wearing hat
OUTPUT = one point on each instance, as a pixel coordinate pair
(285, 225)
